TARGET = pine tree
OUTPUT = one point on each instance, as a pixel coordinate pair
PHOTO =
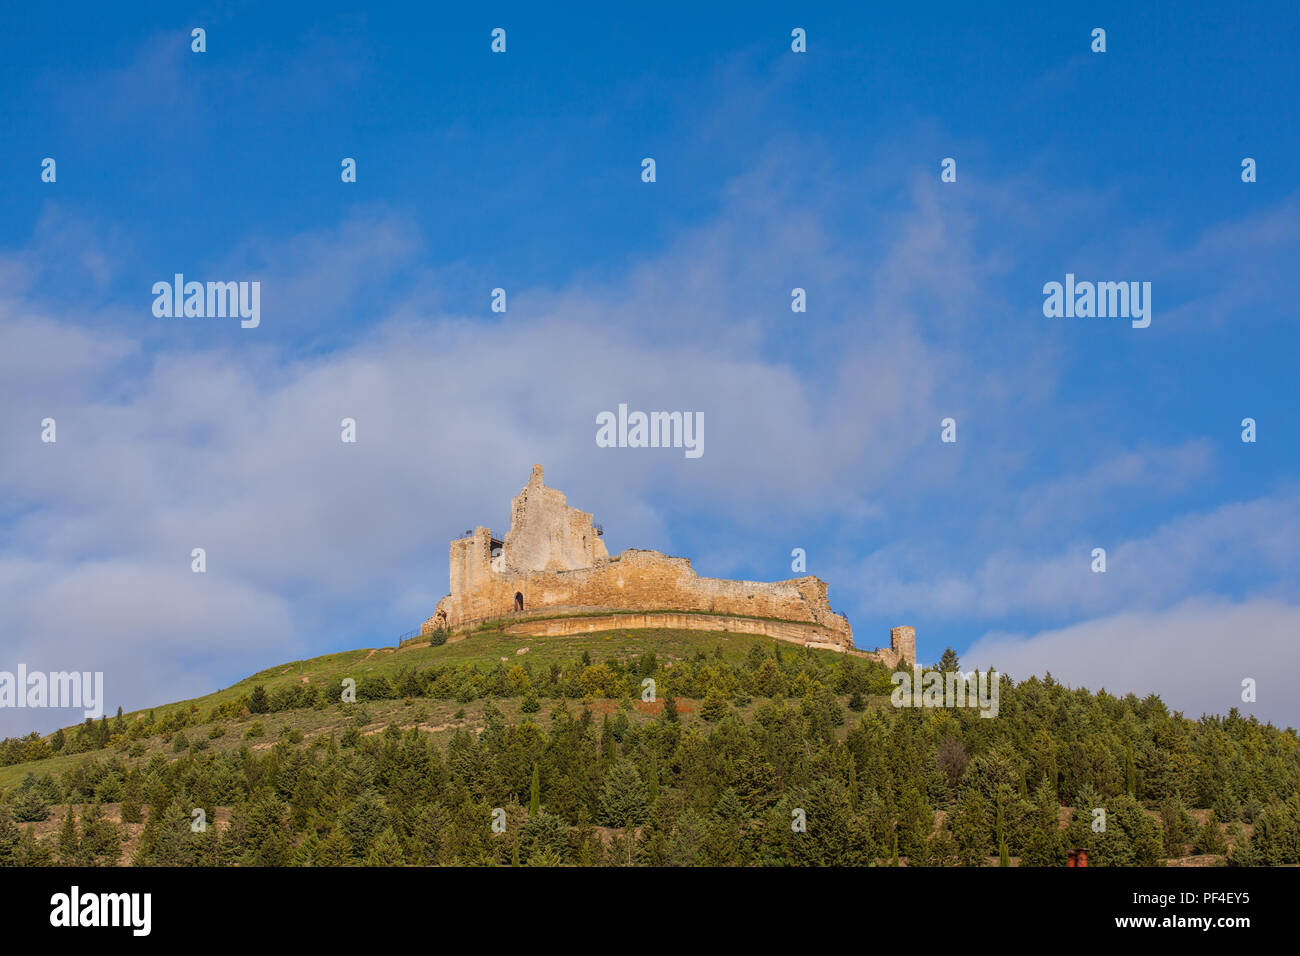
(1175, 825)
(33, 852)
(1045, 844)
(625, 799)
(209, 848)
(335, 849)
(1131, 837)
(714, 707)
(30, 803)
(101, 840)
(386, 850)
(608, 749)
(167, 839)
(534, 793)
(10, 838)
(1227, 808)
(853, 783)
(724, 831)
(261, 831)
(999, 825)
(308, 852)
(69, 844)
(970, 828)
(1210, 837)
(132, 797)
(652, 779)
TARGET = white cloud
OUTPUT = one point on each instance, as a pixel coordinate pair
(1253, 545)
(1195, 655)
(231, 444)
(235, 448)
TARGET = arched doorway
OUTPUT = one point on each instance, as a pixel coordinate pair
(519, 601)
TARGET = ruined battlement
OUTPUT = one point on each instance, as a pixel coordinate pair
(552, 564)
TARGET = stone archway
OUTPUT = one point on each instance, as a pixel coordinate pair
(519, 601)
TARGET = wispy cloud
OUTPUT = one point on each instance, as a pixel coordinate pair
(1195, 655)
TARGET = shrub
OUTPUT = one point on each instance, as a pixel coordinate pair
(1210, 837)
(31, 802)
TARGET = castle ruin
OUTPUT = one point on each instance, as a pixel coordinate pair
(551, 575)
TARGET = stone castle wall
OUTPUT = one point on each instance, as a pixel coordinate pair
(552, 559)
(809, 635)
(642, 581)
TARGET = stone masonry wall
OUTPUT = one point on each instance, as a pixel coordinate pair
(553, 559)
(809, 635)
(644, 581)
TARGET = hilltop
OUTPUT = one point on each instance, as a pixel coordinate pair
(496, 749)
(486, 647)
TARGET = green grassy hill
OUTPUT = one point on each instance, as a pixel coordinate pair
(485, 648)
(745, 734)
(488, 647)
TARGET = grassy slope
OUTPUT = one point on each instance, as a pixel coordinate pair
(484, 647)
(489, 647)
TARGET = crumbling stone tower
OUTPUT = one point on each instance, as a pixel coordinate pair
(546, 534)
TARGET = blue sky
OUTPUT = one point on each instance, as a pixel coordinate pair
(774, 170)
